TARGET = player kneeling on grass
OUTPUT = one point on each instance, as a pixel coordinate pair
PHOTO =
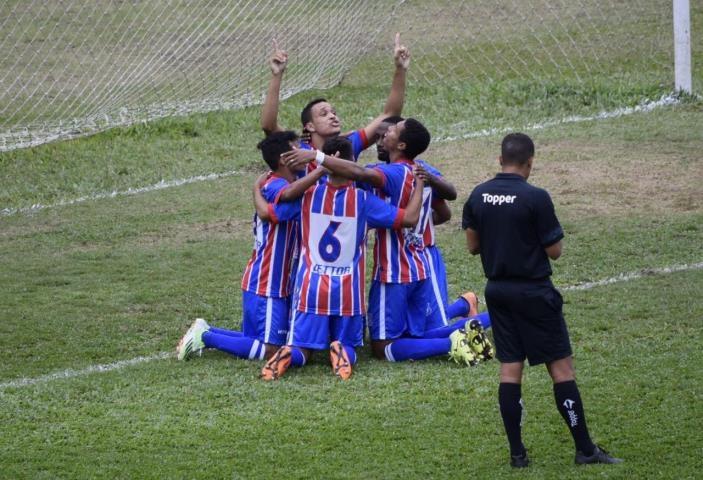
(403, 323)
(442, 191)
(266, 284)
(328, 301)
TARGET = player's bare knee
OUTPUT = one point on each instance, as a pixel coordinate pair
(378, 349)
(270, 349)
(562, 370)
(511, 372)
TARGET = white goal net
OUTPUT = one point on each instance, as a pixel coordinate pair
(76, 67)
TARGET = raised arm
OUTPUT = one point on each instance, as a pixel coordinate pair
(396, 97)
(412, 210)
(296, 189)
(344, 168)
(269, 112)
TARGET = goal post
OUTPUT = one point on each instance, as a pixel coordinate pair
(682, 45)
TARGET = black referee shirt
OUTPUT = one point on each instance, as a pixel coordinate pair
(515, 221)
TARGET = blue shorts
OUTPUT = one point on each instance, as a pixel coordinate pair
(438, 283)
(310, 330)
(265, 318)
(401, 310)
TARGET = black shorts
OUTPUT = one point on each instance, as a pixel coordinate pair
(527, 321)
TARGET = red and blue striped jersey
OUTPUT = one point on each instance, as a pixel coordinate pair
(399, 255)
(333, 224)
(275, 244)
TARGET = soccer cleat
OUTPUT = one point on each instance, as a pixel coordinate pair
(461, 351)
(599, 456)
(341, 366)
(519, 461)
(477, 339)
(277, 365)
(202, 323)
(472, 300)
(192, 341)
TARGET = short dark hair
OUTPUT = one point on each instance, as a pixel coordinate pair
(274, 145)
(341, 145)
(416, 138)
(517, 149)
(393, 119)
(306, 114)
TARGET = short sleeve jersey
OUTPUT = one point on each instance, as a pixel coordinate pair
(334, 221)
(275, 244)
(399, 253)
(515, 222)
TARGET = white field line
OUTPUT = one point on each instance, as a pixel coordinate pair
(644, 107)
(130, 191)
(626, 277)
(70, 373)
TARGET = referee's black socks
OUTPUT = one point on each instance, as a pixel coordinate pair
(511, 410)
(570, 407)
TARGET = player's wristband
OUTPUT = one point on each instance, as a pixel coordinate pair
(319, 157)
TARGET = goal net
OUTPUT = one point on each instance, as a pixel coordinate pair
(76, 67)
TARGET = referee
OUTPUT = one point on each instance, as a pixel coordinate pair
(513, 226)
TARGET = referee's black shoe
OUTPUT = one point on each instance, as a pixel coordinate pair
(519, 461)
(599, 456)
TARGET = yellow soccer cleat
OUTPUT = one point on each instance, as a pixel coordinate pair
(461, 352)
(478, 340)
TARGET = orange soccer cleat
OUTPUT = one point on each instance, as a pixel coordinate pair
(341, 366)
(277, 365)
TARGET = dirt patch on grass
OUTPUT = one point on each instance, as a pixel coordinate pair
(226, 229)
(586, 179)
(12, 230)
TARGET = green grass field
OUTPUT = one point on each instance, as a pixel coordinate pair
(95, 289)
(111, 280)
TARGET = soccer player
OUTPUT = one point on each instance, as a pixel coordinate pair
(514, 228)
(466, 304)
(381, 130)
(442, 190)
(400, 308)
(319, 118)
(329, 291)
(266, 285)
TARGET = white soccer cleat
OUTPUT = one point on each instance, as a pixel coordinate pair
(192, 341)
(201, 323)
